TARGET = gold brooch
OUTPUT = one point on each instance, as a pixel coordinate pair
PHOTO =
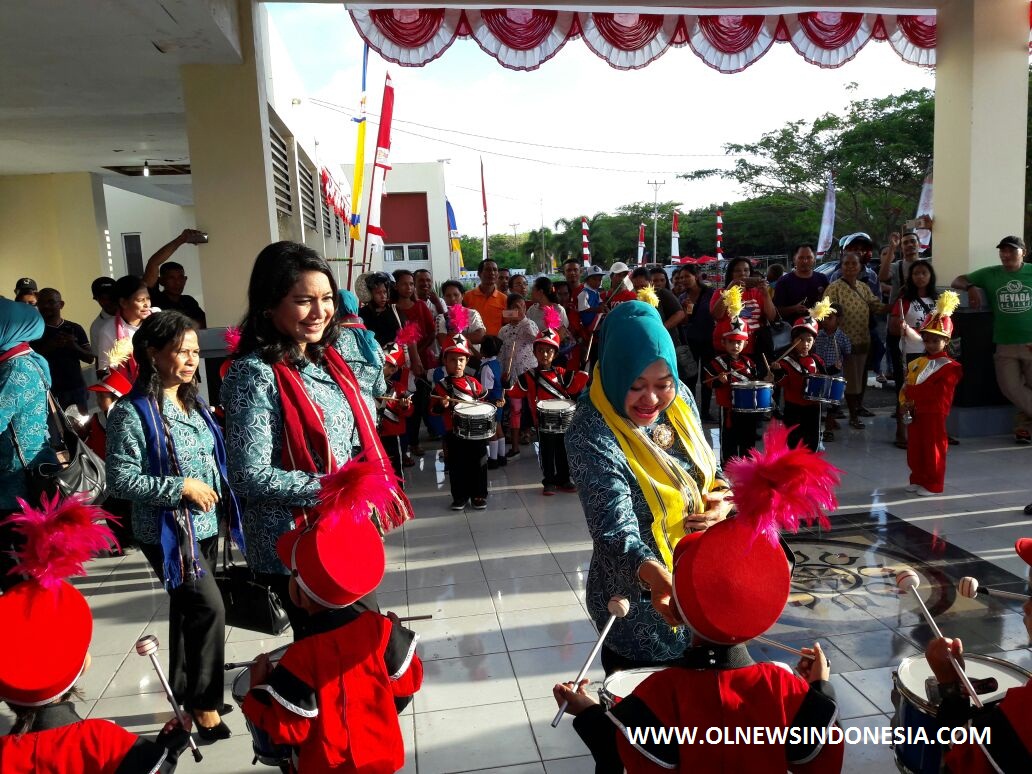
(663, 436)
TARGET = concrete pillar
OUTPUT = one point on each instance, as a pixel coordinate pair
(227, 125)
(55, 231)
(981, 121)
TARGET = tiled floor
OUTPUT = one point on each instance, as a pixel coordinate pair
(506, 586)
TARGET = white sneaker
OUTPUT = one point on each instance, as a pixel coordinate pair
(912, 488)
(922, 492)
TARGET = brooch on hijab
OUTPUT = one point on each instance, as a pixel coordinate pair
(663, 436)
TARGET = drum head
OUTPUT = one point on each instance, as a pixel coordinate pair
(555, 405)
(751, 385)
(473, 410)
(914, 671)
(620, 685)
(242, 682)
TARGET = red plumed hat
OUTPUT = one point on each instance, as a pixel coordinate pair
(336, 561)
(548, 337)
(394, 354)
(458, 344)
(738, 331)
(115, 383)
(1023, 547)
(48, 620)
(731, 582)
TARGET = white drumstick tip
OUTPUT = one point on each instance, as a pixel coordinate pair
(906, 580)
(619, 606)
(968, 587)
(147, 644)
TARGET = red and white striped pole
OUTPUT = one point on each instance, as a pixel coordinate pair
(585, 247)
(720, 235)
(641, 244)
(675, 248)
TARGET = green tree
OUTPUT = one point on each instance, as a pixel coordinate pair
(878, 149)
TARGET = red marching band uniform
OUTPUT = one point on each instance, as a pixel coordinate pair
(928, 393)
(737, 430)
(393, 411)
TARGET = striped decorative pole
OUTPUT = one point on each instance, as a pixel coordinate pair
(585, 247)
(641, 244)
(675, 248)
(720, 235)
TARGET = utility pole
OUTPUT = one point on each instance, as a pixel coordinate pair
(515, 238)
(656, 184)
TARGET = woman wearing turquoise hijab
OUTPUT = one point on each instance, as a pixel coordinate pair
(24, 435)
(646, 477)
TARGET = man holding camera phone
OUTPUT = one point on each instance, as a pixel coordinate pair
(172, 278)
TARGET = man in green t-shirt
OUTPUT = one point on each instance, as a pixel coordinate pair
(1008, 288)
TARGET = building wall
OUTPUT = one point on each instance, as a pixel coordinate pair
(157, 223)
(53, 231)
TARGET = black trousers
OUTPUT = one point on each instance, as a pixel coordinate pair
(196, 632)
(808, 421)
(554, 467)
(420, 408)
(737, 433)
(467, 467)
(392, 445)
(9, 541)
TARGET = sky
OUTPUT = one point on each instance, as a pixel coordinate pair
(671, 117)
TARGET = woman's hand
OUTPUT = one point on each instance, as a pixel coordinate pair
(576, 701)
(200, 494)
(660, 584)
(718, 507)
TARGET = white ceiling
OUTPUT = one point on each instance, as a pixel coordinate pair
(86, 84)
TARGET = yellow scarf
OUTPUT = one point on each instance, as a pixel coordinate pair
(669, 491)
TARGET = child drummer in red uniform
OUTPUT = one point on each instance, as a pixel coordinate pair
(737, 428)
(548, 382)
(927, 395)
(47, 628)
(802, 415)
(394, 407)
(730, 584)
(335, 695)
(467, 459)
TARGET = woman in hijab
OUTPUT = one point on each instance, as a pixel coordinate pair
(359, 347)
(24, 435)
(646, 477)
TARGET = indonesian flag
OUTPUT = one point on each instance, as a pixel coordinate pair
(641, 244)
(675, 247)
(381, 164)
(925, 212)
(585, 245)
(827, 219)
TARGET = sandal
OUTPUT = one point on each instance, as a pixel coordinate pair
(828, 436)
(864, 412)
(856, 424)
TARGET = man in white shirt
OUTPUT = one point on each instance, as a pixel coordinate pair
(103, 293)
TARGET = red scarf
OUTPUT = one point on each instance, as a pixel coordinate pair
(15, 351)
(304, 430)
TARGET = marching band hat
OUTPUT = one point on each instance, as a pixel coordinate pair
(738, 331)
(548, 337)
(394, 354)
(115, 383)
(940, 322)
(458, 344)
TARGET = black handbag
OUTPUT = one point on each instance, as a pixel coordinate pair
(249, 604)
(77, 469)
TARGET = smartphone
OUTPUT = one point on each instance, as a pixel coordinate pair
(510, 314)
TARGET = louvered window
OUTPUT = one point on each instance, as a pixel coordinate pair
(307, 197)
(327, 224)
(280, 173)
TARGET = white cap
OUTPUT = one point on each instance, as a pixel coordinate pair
(618, 268)
(593, 271)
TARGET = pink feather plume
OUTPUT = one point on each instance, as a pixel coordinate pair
(358, 487)
(409, 334)
(232, 338)
(777, 489)
(458, 318)
(551, 317)
(61, 536)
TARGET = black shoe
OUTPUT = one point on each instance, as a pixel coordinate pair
(215, 733)
(548, 490)
(479, 503)
(458, 505)
(953, 440)
(513, 454)
(864, 412)
(503, 461)
(1028, 509)
(492, 464)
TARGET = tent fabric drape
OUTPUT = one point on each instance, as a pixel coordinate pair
(524, 38)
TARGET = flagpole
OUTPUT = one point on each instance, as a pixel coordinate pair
(355, 221)
(483, 197)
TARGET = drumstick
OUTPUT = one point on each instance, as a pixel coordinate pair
(148, 646)
(968, 587)
(907, 580)
(618, 608)
(788, 352)
(787, 648)
(240, 664)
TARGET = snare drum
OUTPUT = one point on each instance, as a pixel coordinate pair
(822, 388)
(914, 709)
(265, 751)
(554, 416)
(752, 397)
(474, 421)
(620, 685)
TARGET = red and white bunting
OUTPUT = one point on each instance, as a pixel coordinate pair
(334, 196)
(641, 244)
(585, 246)
(720, 235)
(675, 238)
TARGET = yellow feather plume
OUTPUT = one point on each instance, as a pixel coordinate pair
(947, 303)
(648, 295)
(122, 351)
(733, 301)
(821, 309)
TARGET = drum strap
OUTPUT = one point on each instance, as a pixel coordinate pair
(797, 366)
(460, 391)
(733, 375)
(549, 386)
